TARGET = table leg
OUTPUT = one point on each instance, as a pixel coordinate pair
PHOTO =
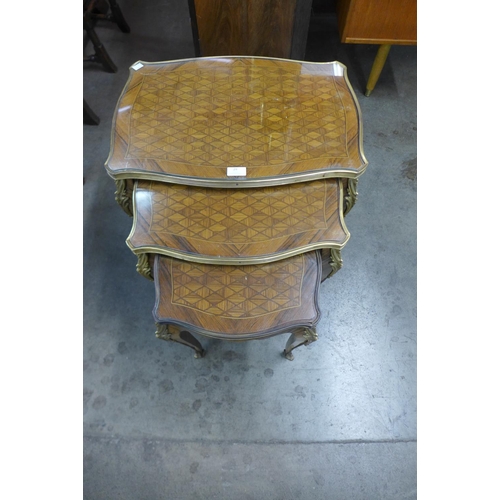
(301, 337)
(378, 64)
(123, 197)
(351, 195)
(143, 267)
(175, 334)
(335, 261)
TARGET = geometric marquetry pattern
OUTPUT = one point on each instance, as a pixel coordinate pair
(237, 114)
(238, 291)
(241, 215)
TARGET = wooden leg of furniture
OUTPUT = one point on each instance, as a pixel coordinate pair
(100, 52)
(89, 117)
(378, 64)
(300, 337)
(118, 16)
(194, 28)
(176, 334)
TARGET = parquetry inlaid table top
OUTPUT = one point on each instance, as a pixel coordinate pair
(188, 121)
(237, 226)
(238, 302)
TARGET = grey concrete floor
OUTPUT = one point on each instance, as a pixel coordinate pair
(339, 422)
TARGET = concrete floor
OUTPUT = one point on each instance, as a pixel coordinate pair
(339, 422)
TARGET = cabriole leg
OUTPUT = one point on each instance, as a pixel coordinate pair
(351, 195)
(122, 196)
(143, 267)
(298, 338)
(335, 261)
(176, 334)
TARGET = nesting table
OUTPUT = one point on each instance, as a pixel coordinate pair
(238, 172)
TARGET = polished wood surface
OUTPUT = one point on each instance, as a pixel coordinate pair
(238, 302)
(187, 121)
(237, 258)
(391, 22)
(245, 27)
(383, 22)
(269, 28)
(252, 225)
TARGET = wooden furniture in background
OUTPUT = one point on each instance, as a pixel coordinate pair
(97, 10)
(89, 117)
(381, 22)
(237, 172)
(93, 11)
(271, 28)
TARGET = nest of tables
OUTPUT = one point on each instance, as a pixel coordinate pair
(238, 172)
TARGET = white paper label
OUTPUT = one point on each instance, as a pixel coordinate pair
(236, 171)
(137, 66)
